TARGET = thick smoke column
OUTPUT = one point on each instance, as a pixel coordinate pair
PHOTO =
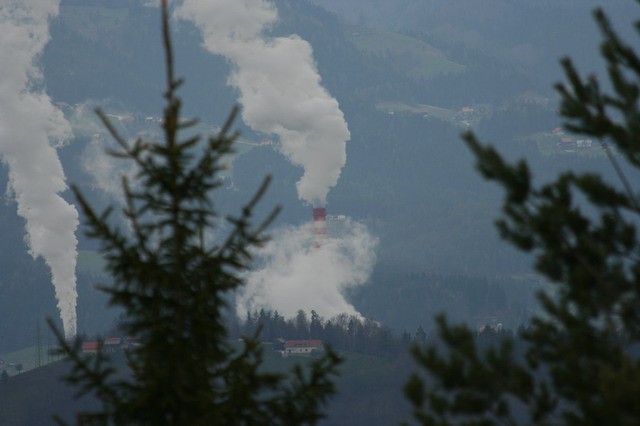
(279, 88)
(28, 121)
(297, 275)
(280, 93)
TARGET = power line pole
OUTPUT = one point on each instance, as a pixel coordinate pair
(38, 345)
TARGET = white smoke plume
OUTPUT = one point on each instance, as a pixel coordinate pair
(279, 87)
(30, 128)
(281, 94)
(106, 173)
(297, 275)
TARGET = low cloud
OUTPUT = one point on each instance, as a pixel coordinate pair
(294, 274)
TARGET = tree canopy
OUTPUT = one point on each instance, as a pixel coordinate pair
(174, 281)
(581, 363)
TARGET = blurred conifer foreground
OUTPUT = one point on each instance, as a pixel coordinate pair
(172, 284)
(580, 363)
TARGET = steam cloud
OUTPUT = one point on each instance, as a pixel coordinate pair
(106, 173)
(279, 88)
(297, 275)
(281, 94)
(28, 121)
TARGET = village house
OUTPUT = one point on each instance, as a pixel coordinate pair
(130, 342)
(112, 344)
(584, 143)
(301, 347)
(567, 144)
(90, 348)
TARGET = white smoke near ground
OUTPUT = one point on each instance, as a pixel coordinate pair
(279, 85)
(297, 275)
(30, 127)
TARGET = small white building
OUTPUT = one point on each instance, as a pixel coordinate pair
(112, 344)
(584, 143)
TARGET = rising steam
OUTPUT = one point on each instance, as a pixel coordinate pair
(106, 173)
(279, 87)
(28, 122)
(280, 93)
(296, 275)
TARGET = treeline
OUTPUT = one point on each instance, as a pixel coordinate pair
(343, 332)
(404, 300)
(346, 332)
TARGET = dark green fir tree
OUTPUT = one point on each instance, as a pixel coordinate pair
(580, 364)
(174, 286)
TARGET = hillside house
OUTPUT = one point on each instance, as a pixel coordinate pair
(567, 144)
(112, 344)
(130, 342)
(301, 347)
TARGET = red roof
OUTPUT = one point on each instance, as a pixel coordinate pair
(113, 341)
(302, 344)
(90, 346)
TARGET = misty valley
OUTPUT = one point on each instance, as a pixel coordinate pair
(356, 111)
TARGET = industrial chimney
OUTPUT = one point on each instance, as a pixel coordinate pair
(319, 225)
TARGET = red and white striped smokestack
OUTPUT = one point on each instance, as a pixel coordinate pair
(319, 224)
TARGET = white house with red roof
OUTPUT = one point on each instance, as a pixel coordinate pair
(112, 344)
(90, 348)
(301, 347)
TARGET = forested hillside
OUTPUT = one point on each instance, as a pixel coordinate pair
(408, 176)
(518, 36)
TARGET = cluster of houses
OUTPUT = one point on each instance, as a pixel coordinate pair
(118, 344)
(497, 328)
(301, 347)
(110, 344)
(569, 144)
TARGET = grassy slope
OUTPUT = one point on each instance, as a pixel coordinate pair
(369, 392)
(33, 397)
(28, 357)
(417, 58)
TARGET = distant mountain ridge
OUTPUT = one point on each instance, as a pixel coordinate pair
(531, 35)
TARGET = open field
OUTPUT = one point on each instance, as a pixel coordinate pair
(369, 388)
(454, 117)
(417, 58)
(27, 358)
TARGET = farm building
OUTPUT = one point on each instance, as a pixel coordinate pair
(112, 344)
(90, 348)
